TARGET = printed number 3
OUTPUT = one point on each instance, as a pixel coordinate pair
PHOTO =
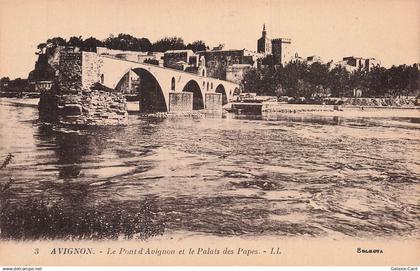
(36, 251)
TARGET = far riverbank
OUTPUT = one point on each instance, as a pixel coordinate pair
(281, 108)
(299, 110)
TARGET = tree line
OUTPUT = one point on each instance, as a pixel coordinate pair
(126, 42)
(297, 79)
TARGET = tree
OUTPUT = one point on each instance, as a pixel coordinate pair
(127, 42)
(168, 43)
(56, 41)
(268, 60)
(91, 43)
(316, 81)
(263, 81)
(197, 45)
(75, 41)
(339, 82)
(144, 45)
(357, 80)
(270, 84)
(395, 80)
(317, 74)
(251, 81)
(376, 82)
(303, 89)
(41, 46)
(413, 79)
(5, 79)
(290, 75)
(4, 82)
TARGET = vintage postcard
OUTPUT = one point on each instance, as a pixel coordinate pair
(181, 132)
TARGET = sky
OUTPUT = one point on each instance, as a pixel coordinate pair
(388, 30)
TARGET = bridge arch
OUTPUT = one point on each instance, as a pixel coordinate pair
(194, 87)
(221, 89)
(123, 84)
(160, 80)
(151, 96)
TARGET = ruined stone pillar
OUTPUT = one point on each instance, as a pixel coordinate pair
(89, 107)
(77, 97)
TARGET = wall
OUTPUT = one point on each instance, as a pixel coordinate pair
(286, 53)
(218, 61)
(78, 70)
(276, 50)
(91, 69)
(70, 72)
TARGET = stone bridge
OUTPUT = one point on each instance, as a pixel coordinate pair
(75, 97)
(164, 89)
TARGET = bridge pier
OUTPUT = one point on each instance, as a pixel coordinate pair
(183, 102)
(213, 105)
(213, 102)
(180, 101)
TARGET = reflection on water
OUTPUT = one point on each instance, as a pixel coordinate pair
(288, 176)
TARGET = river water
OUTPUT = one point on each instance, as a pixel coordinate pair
(309, 176)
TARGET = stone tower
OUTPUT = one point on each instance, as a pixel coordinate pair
(281, 51)
(264, 43)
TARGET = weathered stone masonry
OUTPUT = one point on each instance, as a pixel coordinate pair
(70, 72)
(91, 69)
(74, 97)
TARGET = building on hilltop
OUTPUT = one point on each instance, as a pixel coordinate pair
(218, 61)
(352, 63)
(314, 59)
(278, 48)
(309, 60)
(179, 59)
